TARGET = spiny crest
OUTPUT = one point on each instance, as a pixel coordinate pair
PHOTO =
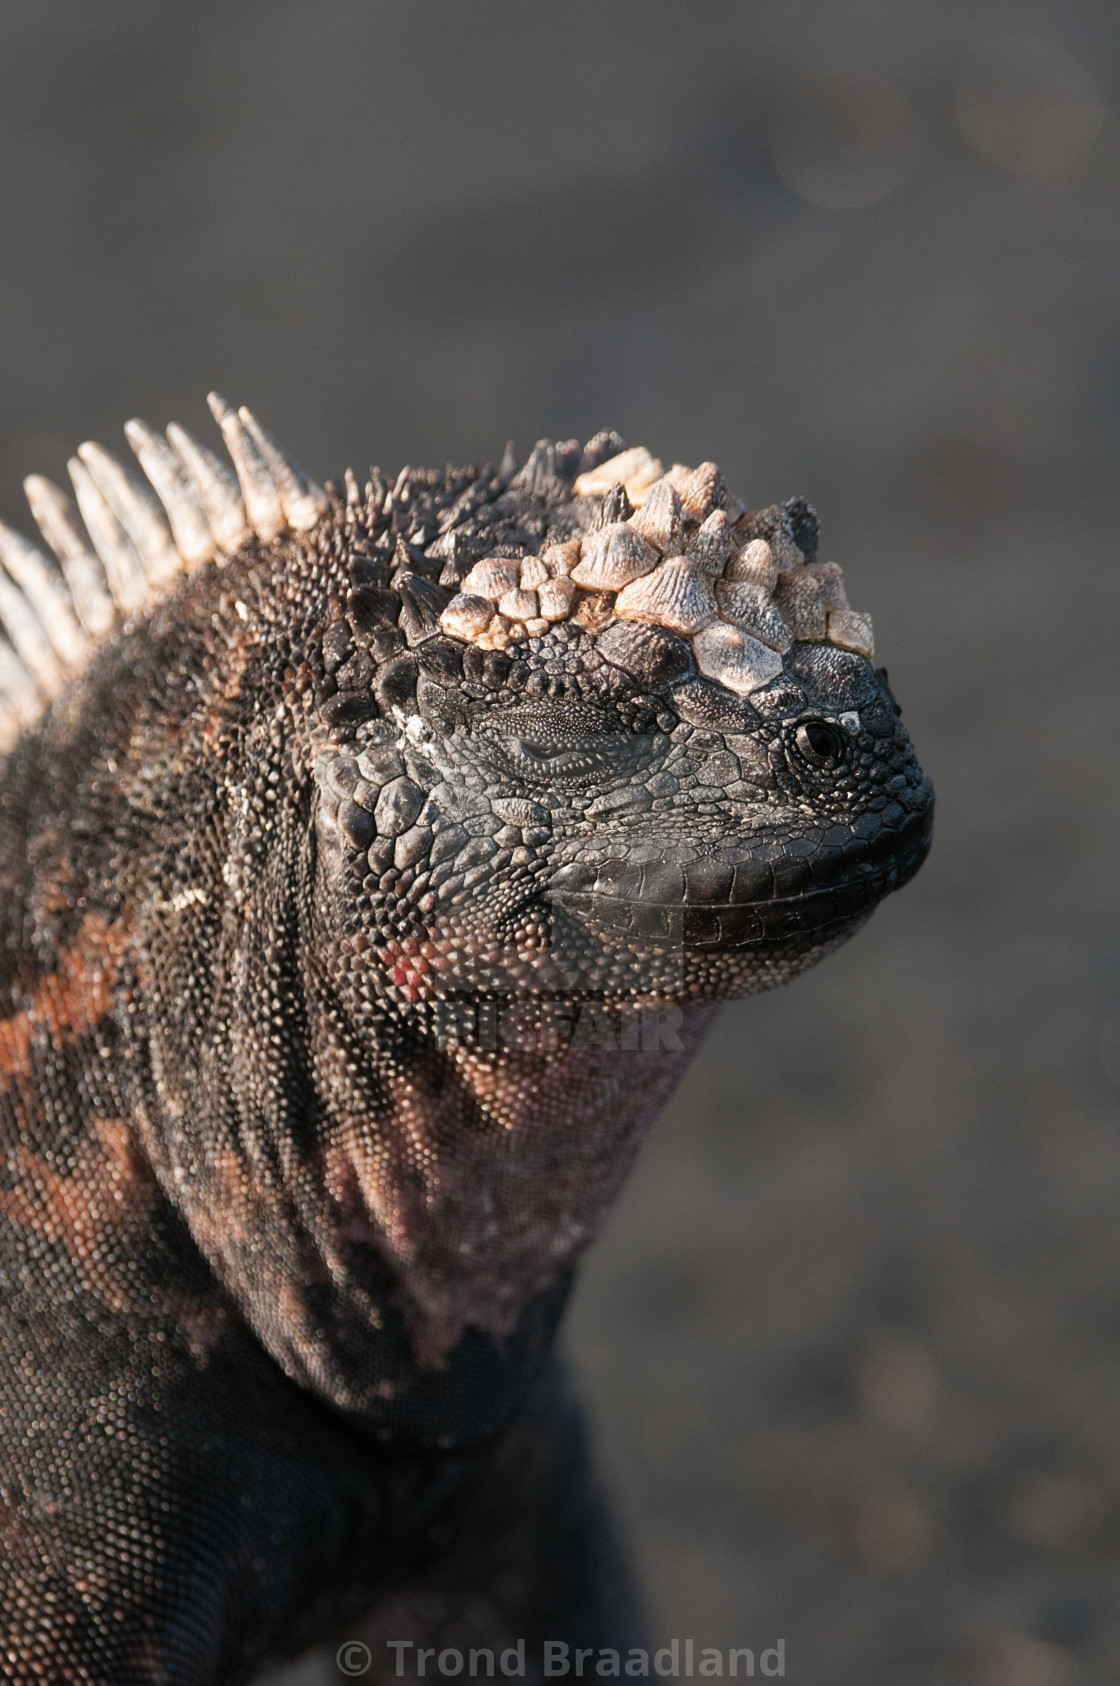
(127, 544)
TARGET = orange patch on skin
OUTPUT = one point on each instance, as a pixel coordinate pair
(98, 1209)
(70, 1001)
(230, 1211)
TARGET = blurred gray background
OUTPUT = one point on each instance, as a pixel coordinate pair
(852, 1340)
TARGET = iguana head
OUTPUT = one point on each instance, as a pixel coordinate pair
(628, 742)
(587, 728)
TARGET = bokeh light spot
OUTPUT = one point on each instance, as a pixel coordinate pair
(842, 139)
(1027, 105)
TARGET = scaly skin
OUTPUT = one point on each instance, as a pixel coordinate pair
(345, 967)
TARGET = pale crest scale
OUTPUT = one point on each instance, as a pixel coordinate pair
(612, 556)
(215, 487)
(752, 609)
(123, 569)
(712, 544)
(263, 504)
(303, 502)
(754, 563)
(675, 595)
(735, 659)
(659, 518)
(635, 469)
(20, 698)
(46, 594)
(467, 616)
(492, 578)
(180, 498)
(56, 518)
(851, 631)
(139, 514)
(533, 573)
(29, 640)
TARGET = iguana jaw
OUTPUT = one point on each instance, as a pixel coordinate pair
(749, 901)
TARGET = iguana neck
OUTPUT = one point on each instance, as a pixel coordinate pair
(489, 1169)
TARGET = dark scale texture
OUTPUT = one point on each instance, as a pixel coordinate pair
(344, 968)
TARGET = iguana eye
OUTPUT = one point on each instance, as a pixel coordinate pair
(543, 749)
(821, 743)
(545, 759)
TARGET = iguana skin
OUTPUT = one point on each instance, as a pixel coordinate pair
(284, 1240)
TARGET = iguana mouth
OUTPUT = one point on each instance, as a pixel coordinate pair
(713, 903)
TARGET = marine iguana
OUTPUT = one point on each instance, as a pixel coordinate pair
(372, 859)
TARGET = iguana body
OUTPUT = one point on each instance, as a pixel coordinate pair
(356, 925)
